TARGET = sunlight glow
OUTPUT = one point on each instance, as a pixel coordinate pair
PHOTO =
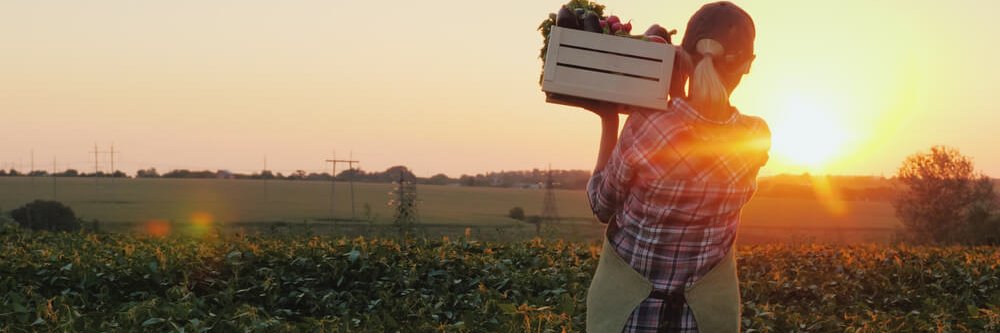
(808, 133)
(828, 195)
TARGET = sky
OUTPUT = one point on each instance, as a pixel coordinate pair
(847, 86)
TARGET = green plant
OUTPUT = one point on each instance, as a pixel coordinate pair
(516, 213)
(78, 282)
(46, 215)
(403, 200)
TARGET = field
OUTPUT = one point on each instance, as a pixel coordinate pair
(114, 282)
(286, 206)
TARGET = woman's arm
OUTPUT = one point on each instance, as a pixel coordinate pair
(609, 129)
(609, 138)
(604, 191)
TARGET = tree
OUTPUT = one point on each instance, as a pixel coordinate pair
(394, 173)
(439, 179)
(351, 174)
(516, 213)
(943, 194)
(298, 175)
(46, 215)
(147, 173)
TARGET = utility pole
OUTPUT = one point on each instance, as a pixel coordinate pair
(111, 189)
(333, 186)
(350, 165)
(549, 212)
(31, 173)
(54, 189)
(96, 167)
(112, 163)
(267, 182)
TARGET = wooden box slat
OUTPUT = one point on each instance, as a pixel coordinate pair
(608, 62)
(619, 84)
(588, 65)
(611, 43)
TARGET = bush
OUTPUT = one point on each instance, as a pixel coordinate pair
(982, 228)
(943, 193)
(46, 215)
(5, 220)
(516, 213)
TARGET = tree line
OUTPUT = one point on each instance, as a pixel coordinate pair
(66, 173)
(564, 179)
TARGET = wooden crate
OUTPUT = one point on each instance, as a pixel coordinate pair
(608, 68)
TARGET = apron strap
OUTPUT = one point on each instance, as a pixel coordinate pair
(673, 302)
(672, 309)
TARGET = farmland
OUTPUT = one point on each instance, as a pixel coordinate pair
(77, 282)
(260, 205)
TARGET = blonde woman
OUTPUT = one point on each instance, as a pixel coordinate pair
(672, 188)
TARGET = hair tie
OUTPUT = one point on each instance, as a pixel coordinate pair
(709, 48)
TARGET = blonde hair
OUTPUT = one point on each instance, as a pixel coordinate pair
(706, 85)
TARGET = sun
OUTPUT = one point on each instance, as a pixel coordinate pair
(807, 133)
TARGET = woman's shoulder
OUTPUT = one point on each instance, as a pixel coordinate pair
(754, 124)
(661, 122)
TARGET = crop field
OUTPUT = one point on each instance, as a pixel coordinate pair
(259, 205)
(114, 282)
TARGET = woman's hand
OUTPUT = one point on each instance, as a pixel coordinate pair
(600, 108)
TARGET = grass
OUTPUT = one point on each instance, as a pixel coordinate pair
(125, 204)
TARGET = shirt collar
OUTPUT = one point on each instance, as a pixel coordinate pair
(685, 107)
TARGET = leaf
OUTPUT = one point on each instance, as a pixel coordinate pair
(353, 255)
(153, 321)
(508, 308)
(973, 311)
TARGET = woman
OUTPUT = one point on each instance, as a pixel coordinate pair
(672, 189)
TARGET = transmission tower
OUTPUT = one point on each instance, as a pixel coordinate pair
(54, 185)
(333, 183)
(97, 152)
(549, 211)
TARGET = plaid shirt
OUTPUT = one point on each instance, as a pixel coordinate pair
(675, 186)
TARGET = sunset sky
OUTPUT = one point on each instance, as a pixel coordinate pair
(847, 86)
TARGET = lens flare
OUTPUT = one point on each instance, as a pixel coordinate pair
(201, 223)
(157, 228)
(828, 195)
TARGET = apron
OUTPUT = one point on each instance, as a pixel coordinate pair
(617, 289)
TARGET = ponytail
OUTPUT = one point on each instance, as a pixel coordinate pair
(706, 86)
